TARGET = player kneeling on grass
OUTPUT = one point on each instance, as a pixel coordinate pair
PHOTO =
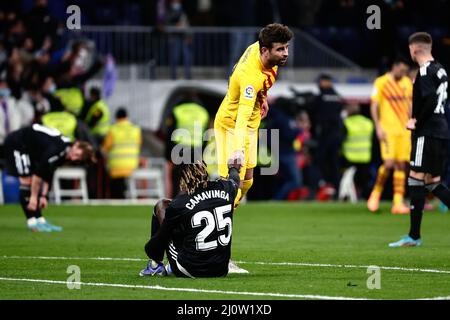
(194, 229)
(33, 154)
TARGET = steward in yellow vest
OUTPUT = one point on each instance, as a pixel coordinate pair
(63, 121)
(96, 114)
(71, 98)
(357, 146)
(122, 146)
(184, 141)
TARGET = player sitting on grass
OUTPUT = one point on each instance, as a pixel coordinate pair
(194, 229)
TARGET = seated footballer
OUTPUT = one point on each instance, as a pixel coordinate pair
(194, 229)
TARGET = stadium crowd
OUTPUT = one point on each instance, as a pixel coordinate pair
(43, 73)
(43, 80)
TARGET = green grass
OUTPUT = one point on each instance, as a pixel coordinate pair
(317, 233)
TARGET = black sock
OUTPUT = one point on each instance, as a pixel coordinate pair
(24, 196)
(417, 194)
(440, 191)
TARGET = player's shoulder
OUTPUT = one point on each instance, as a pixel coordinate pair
(431, 68)
(406, 81)
(380, 80)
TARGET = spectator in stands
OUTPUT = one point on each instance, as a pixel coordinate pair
(304, 147)
(122, 148)
(10, 116)
(327, 122)
(357, 147)
(171, 14)
(96, 114)
(290, 175)
(61, 119)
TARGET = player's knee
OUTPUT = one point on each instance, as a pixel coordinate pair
(389, 164)
(399, 165)
(160, 210)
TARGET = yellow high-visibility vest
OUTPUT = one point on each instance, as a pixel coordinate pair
(123, 156)
(71, 99)
(193, 119)
(63, 121)
(102, 126)
(357, 147)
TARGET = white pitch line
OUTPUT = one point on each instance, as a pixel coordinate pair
(342, 266)
(118, 285)
(436, 298)
(299, 264)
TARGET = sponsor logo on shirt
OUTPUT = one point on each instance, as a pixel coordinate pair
(249, 92)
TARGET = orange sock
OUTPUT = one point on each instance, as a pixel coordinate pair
(381, 179)
(399, 186)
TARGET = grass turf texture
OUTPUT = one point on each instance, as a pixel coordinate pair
(330, 233)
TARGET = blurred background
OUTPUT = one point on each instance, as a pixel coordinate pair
(152, 58)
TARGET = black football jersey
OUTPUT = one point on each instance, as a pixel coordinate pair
(201, 226)
(43, 148)
(429, 100)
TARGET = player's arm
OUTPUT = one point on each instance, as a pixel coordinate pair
(374, 110)
(264, 108)
(249, 89)
(429, 102)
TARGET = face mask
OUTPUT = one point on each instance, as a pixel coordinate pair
(5, 92)
(52, 88)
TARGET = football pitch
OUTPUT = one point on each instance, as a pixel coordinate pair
(291, 250)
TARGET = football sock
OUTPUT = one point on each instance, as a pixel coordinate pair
(246, 185)
(381, 179)
(417, 193)
(238, 198)
(24, 197)
(399, 186)
(440, 191)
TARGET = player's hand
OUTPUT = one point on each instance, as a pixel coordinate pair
(381, 135)
(411, 125)
(43, 202)
(237, 159)
(32, 204)
(264, 109)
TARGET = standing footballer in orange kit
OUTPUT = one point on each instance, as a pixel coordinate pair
(391, 102)
(245, 104)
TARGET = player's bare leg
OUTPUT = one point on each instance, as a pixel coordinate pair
(373, 203)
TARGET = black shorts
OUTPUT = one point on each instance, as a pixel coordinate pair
(428, 155)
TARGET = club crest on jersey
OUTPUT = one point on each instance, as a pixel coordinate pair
(249, 92)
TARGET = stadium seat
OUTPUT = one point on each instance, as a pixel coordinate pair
(146, 182)
(72, 173)
(347, 187)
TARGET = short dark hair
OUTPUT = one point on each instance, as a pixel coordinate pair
(96, 92)
(420, 37)
(272, 33)
(400, 59)
(121, 113)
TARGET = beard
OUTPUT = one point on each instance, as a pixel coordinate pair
(278, 61)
